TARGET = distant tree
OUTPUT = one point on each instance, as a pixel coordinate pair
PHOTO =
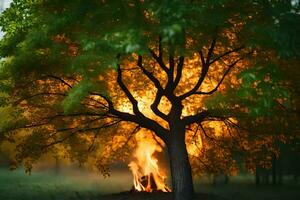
(69, 64)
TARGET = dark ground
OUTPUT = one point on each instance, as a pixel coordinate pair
(155, 196)
(15, 185)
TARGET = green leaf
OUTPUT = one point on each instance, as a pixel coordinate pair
(76, 95)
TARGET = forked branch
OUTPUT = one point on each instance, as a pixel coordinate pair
(205, 63)
(222, 79)
(141, 120)
(160, 90)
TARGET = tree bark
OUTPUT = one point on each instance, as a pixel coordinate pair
(266, 178)
(274, 169)
(257, 176)
(226, 180)
(182, 182)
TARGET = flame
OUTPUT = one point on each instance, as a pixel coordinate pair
(147, 176)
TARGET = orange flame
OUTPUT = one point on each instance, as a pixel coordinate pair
(147, 177)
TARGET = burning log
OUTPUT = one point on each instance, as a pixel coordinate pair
(147, 176)
(148, 184)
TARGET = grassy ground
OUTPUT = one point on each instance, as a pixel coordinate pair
(16, 185)
(78, 185)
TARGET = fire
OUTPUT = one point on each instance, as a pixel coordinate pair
(147, 176)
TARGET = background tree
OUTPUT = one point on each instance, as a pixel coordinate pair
(60, 56)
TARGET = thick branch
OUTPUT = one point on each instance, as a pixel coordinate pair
(171, 70)
(178, 71)
(205, 67)
(199, 117)
(160, 90)
(133, 101)
(138, 118)
(159, 60)
(211, 50)
(149, 74)
(204, 71)
(154, 106)
(141, 120)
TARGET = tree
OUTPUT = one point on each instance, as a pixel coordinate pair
(66, 52)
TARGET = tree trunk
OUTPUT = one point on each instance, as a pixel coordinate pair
(295, 177)
(257, 176)
(181, 173)
(266, 177)
(274, 169)
(226, 180)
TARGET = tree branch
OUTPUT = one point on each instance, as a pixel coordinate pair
(226, 53)
(171, 70)
(160, 90)
(160, 48)
(199, 117)
(222, 79)
(211, 50)
(141, 120)
(76, 130)
(40, 94)
(205, 133)
(133, 101)
(159, 60)
(61, 80)
(204, 71)
(148, 74)
(178, 71)
(154, 105)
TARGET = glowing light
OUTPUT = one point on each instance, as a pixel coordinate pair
(147, 175)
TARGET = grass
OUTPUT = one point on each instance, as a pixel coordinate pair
(82, 185)
(16, 185)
